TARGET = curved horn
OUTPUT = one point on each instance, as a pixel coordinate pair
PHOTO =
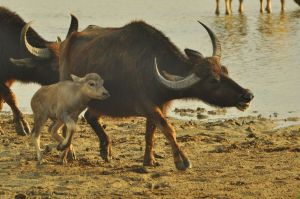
(215, 41)
(74, 25)
(38, 52)
(176, 85)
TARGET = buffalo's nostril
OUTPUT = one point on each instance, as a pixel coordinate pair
(248, 96)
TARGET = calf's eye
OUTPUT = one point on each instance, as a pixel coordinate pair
(92, 84)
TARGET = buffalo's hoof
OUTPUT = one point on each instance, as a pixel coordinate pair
(20, 130)
(26, 126)
(105, 152)
(188, 164)
(183, 165)
(151, 163)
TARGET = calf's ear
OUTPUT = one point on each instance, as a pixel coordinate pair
(75, 78)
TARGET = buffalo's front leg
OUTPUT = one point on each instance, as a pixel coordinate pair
(180, 159)
(149, 159)
(21, 126)
(104, 139)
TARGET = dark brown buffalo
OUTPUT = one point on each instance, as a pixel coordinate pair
(10, 33)
(143, 71)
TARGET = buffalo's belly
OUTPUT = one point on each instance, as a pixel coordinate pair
(116, 108)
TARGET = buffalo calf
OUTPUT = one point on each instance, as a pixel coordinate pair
(62, 103)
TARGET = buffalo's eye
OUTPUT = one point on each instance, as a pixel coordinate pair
(92, 84)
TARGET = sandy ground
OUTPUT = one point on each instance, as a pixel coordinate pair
(237, 158)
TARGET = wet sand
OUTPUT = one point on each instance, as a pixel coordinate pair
(237, 158)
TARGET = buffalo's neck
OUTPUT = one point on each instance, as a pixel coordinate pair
(169, 95)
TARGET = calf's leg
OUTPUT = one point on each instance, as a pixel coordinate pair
(54, 133)
(92, 119)
(71, 127)
(71, 153)
(21, 126)
(39, 121)
(65, 144)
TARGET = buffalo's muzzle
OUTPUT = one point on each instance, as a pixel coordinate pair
(245, 100)
(247, 96)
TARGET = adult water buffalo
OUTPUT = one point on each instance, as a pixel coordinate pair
(143, 71)
(10, 32)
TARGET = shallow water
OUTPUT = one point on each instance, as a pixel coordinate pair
(260, 50)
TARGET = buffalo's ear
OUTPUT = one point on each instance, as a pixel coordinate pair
(76, 78)
(224, 69)
(193, 55)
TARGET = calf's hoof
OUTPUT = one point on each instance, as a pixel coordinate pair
(61, 147)
(71, 154)
(41, 162)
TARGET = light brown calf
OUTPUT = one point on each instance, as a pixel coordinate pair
(62, 103)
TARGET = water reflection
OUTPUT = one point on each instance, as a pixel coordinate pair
(232, 30)
(270, 24)
(235, 25)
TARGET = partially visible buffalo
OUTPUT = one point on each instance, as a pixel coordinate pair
(228, 7)
(11, 26)
(268, 7)
(143, 71)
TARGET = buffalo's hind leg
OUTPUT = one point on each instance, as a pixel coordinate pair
(105, 142)
(21, 126)
(149, 159)
(180, 159)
